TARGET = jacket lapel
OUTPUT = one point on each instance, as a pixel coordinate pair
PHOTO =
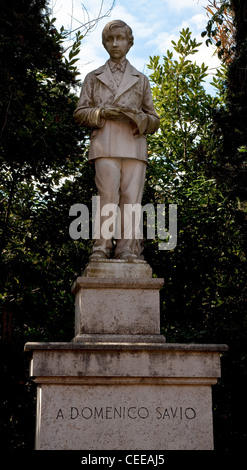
(105, 76)
(131, 76)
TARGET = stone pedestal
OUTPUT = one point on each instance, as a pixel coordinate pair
(118, 385)
(117, 299)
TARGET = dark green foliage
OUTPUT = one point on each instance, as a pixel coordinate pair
(36, 105)
(40, 145)
(196, 164)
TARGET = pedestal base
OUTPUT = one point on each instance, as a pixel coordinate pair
(115, 297)
(124, 396)
(118, 385)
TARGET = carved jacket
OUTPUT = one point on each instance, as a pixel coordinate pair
(114, 138)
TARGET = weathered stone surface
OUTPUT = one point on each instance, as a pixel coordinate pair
(118, 385)
(118, 269)
(125, 360)
(95, 338)
(126, 417)
(124, 395)
(117, 306)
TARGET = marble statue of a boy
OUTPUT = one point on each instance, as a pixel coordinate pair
(116, 103)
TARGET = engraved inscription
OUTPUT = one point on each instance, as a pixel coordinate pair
(124, 412)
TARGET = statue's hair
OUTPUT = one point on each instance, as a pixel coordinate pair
(118, 24)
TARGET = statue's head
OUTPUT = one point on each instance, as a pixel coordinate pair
(120, 27)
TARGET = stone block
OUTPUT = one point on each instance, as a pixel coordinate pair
(117, 306)
(118, 385)
(126, 417)
(118, 269)
(115, 396)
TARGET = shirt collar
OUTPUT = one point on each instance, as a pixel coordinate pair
(117, 66)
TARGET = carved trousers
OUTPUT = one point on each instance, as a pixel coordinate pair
(120, 182)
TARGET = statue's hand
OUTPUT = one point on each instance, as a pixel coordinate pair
(117, 114)
(111, 113)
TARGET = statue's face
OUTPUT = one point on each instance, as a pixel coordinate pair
(117, 43)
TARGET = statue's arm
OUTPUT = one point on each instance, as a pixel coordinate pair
(86, 113)
(146, 120)
(153, 120)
